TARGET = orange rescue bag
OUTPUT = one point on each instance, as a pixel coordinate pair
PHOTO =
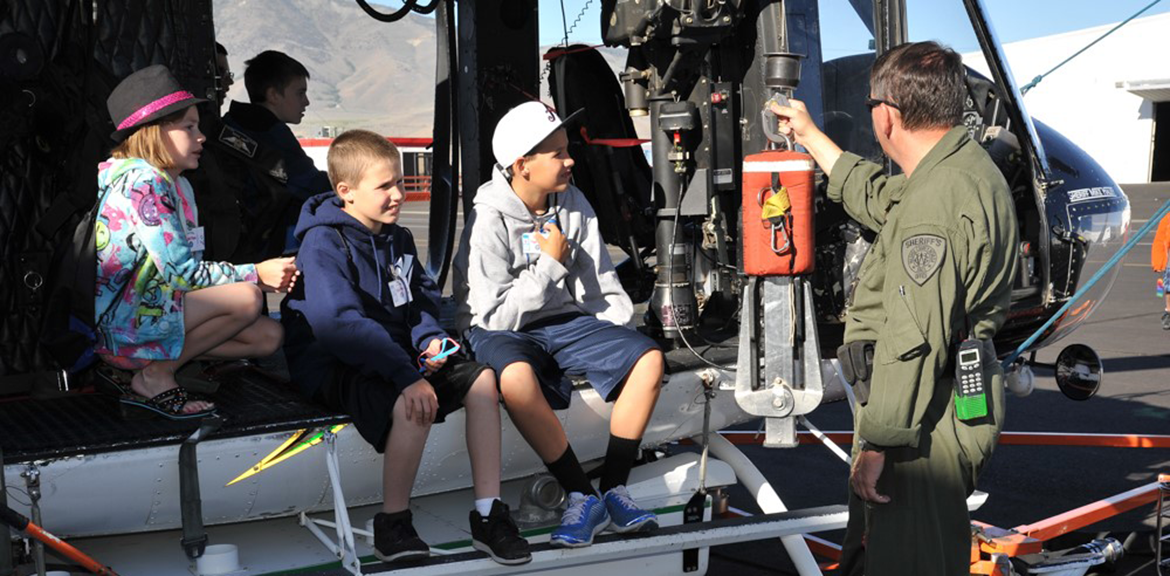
(778, 234)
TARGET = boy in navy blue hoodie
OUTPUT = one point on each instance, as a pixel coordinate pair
(363, 338)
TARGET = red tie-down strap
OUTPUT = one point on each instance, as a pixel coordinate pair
(554, 54)
(612, 142)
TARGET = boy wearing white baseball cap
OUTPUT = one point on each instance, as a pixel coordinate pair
(539, 297)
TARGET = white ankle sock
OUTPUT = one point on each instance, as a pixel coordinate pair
(484, 506)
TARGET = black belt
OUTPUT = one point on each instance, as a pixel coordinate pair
(857, 364)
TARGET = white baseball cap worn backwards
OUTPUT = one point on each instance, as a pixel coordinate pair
(522, 129)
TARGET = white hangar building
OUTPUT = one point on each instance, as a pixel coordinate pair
(1109, 99)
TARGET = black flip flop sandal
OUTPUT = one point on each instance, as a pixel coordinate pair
(168, 404)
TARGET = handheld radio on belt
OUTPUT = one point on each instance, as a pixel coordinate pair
(970, 394)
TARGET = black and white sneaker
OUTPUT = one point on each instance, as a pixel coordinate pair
(498, 536)
(395, 539)
(1166, 320)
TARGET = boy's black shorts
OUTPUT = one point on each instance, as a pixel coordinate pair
(369, 399)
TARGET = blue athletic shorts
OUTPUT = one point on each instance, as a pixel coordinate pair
(569, 344)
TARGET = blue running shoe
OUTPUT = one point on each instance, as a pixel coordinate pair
(626, 516)
(583, 519)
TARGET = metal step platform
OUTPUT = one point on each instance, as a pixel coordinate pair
(250, 400)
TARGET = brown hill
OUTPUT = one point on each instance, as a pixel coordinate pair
(364, 73)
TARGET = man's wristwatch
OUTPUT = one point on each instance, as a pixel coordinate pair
(867, 446)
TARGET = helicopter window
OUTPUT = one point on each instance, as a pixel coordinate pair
(846, 70)
(845, 77)
(843, 31)
(945, 22)
(847, 48)
(847, 118)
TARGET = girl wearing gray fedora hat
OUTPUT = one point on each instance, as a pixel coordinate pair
(158, 304)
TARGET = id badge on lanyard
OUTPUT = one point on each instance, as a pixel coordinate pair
(400, 283)
(528, 244)
(399, 291)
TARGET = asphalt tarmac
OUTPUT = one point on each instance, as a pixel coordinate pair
(1025, 483)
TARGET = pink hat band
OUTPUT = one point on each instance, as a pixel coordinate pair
(149, 109)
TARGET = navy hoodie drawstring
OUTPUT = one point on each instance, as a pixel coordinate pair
(377, 266)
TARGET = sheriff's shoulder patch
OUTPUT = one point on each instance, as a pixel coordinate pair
(922, 255)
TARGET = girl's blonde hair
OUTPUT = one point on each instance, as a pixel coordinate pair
(147, 143)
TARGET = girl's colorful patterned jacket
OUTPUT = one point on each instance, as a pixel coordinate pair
(146, 260)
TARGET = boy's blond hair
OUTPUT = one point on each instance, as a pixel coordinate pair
(147, 143)
(352, 153)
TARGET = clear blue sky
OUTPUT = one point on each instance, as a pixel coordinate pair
(944, 20)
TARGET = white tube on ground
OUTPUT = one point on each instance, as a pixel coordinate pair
(766, 497)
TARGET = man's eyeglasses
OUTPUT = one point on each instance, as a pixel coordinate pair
(228, 76)
(873, 103)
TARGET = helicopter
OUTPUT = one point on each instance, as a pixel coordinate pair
(700, 72)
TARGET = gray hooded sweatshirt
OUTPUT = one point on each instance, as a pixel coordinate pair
(499, 287)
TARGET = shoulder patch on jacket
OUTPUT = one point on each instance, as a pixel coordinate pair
(922, 255)
(279, 173)
(238, 141)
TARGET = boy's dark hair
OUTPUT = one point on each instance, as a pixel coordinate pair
(220, 49)
(270, 69)
(925, 80)
(352, 153)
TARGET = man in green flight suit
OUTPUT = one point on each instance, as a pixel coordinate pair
(939, 272)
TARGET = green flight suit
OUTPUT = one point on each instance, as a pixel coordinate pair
(941, 267)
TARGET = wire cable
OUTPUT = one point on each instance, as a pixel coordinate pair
(564, 24)
(428, 8)
(23, 500)
(1129, 245)
(567, 29)
(1041, 77)
(407, 7)
(577, 20)
(670, 267)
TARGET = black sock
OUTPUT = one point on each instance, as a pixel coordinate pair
(619, 458)
(568, 471)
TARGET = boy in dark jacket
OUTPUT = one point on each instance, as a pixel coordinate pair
(363, 338)
(278, 88)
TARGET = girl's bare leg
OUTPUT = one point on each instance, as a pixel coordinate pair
(261, 338)
(211, 316)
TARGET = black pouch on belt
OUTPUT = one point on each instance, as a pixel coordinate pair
(857, 367)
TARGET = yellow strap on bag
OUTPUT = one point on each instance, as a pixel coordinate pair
(776, 206)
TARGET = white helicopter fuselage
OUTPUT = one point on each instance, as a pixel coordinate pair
(137, 490)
